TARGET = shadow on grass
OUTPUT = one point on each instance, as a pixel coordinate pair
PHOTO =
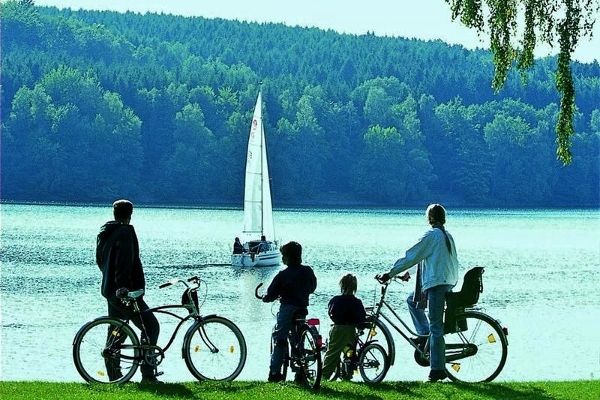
(177, 390)
(505, 391)
(481, 390)
(167, 389)
(404, 388)
(226, 387)
(343, 393)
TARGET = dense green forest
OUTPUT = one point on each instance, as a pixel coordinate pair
(97, 105)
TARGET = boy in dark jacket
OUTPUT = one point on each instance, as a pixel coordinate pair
(118, 257)
(347, 313)
(292, 286)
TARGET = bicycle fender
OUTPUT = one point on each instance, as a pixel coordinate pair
(190, 330)
(390, 340)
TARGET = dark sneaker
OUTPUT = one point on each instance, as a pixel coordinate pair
(436, 375)
(114, 377)
(419, 341)
(150, 380)
(276, 377)
(300, 378)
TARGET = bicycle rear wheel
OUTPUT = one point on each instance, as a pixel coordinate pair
(310, 359)
(106, 350)
(214, 349)
(373, 363)
(477, 354)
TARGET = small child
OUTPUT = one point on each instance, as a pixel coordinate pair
(347, 313)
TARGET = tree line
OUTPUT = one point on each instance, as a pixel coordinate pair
(98, 105)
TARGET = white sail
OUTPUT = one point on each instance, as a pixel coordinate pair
(258, 213)
(267, 222)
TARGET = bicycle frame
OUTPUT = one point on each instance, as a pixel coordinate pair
(379, 314)
(193, 313)
(453, 351)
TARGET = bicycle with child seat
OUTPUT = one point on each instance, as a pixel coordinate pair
(303, 349)
(213, 347)
(366, 357)
(476, 344)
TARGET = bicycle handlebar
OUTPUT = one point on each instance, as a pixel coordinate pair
(193, 279)
(258, 296)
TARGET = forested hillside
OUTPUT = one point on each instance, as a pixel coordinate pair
(98, 105)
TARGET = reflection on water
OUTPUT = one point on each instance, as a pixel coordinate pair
(540, 280)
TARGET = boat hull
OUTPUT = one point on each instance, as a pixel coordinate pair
(268, 258)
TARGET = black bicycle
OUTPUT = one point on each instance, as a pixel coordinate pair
(368, 358)
(213, 347)
(476, 343)
(303, 350)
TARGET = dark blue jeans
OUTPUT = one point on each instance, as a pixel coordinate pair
(434, 327)
(285, 321)
(117, 309)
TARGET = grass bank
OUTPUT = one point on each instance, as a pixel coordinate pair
(577, 390)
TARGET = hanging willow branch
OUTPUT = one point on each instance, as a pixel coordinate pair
(543, 20)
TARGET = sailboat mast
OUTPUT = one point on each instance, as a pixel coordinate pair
(262, 136)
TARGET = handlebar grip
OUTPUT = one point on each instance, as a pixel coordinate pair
(379, 278)
(258, 296)
(164, 285)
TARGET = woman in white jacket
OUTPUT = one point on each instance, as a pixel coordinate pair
(437, 274)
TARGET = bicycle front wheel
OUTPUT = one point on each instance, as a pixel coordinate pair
(478, 353)
(379, 332)
(106, 350)
(214, 349)
(373, 363)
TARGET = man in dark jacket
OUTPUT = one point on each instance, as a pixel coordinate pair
(292, 286)
(118, 257)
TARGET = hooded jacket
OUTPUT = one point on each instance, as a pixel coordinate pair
(294, 284)
(118, 257)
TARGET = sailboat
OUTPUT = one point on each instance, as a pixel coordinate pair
(258, 237)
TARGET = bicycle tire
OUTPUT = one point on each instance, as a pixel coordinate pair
(286, 361)
(387, 341)
(310, 358)
(102, 347)
(214, 349)
(373, 357)
(485, 337)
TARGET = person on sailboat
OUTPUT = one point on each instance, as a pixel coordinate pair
(238, 248)
(263, 245)
(436, 275)
(292, 286)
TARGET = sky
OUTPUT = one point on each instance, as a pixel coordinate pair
(421, 19)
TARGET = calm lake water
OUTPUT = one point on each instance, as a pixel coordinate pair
(541, 280)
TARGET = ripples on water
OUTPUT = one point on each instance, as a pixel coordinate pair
(540, 280)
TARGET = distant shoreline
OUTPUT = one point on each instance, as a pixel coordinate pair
(297, 206)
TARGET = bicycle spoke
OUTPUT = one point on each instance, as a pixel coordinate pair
(373, 363)
(106, 351)
(310, 359)
(215, 349)
(478, 354)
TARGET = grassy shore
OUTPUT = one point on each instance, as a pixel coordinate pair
(577, 390)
